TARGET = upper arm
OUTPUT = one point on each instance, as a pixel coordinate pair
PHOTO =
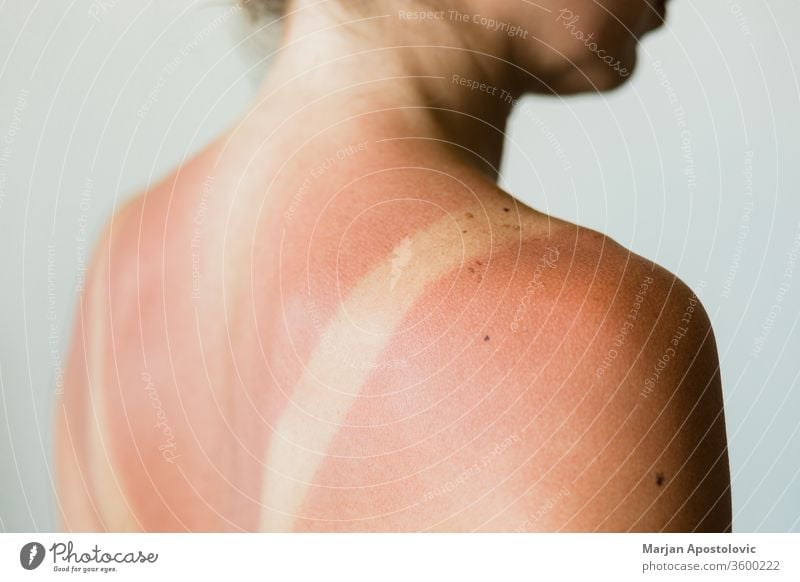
(655, 455)
(679, 476)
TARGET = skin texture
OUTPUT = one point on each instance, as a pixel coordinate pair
(332, 319)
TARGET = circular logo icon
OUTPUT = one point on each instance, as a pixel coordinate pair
(31, 555)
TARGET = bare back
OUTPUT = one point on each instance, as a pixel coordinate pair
(370, 336)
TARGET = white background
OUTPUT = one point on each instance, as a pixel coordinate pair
(89, 114)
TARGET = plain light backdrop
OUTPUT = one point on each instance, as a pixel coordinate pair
(695, 164)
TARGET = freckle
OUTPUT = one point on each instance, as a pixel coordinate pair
(469, 215)
(486, 339)
(659, 479)
(506, 210)
(463, 232)
(479, 263)
(471, 270)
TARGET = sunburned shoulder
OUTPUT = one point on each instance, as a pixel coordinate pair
(135, 246)
(602, 366)
(560, 278)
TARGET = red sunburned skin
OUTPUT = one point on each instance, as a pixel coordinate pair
(398, 348)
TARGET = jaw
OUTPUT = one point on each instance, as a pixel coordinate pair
(590, 77)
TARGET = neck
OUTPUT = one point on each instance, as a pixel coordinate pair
(443, 90)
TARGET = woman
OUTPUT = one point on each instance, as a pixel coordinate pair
(333, 319)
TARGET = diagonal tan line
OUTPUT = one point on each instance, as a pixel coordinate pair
(329, 387)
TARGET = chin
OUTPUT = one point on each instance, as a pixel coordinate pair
(597, 76)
